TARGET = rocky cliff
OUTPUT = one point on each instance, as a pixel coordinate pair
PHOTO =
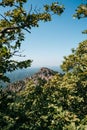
(42, 76)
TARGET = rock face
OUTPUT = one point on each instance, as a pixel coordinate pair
(42, 76)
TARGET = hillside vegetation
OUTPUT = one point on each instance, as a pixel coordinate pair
(58, 103)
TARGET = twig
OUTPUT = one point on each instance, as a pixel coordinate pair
(30, 9)
(5, 18)
(27, 30)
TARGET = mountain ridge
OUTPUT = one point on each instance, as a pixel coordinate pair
(43, 75)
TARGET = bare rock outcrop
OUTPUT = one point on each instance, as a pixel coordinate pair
(43, 75)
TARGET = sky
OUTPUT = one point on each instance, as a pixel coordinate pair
(48, 44)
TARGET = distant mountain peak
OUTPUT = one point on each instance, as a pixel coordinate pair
(44, 74)
(47, 70)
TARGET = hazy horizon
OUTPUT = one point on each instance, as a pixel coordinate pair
(24, 73)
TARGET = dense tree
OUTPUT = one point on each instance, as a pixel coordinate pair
(75, 78)
(59, 104)
(14, 21)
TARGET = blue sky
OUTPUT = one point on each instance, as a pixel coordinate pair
(48, 44)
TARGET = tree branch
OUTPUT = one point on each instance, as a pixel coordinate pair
(8, 29)
(5, 18)
(27, 30)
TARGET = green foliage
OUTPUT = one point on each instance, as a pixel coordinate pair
(75, 80)
(59, 104)
(14, 21)
(81, 12)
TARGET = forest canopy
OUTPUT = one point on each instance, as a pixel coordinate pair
(58, 104)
